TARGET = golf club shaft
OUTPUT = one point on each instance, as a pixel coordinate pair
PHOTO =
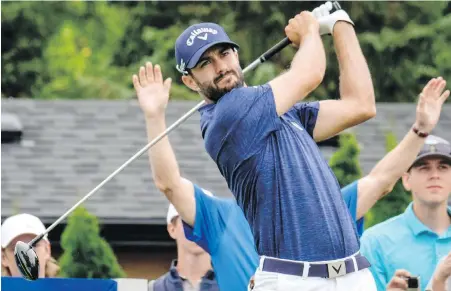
(280, 45)
(267, 55)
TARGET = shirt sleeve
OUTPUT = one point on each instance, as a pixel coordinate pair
(248, 116)
(350, 196)
(307, 114)
(210, 220)
(370, 248)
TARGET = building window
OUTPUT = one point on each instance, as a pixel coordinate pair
(12, 128)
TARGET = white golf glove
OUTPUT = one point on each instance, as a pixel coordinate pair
(326, 20)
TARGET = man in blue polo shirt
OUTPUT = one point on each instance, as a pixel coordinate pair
(417, 239)
(218, 225)
(264, 145)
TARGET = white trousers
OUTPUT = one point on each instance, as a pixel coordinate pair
(356, 281)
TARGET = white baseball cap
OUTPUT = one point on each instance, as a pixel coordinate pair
(20, 224)
(172, 212)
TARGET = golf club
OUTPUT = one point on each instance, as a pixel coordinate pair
(26, 259)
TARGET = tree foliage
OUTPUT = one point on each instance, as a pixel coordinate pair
(393, 203)
(90, 49)
(86, 254)
(345, 161)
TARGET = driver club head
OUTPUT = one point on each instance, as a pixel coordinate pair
(27, 261)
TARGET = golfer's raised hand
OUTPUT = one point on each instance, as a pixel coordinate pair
(152, 92)
(430, 104)
(300, 26)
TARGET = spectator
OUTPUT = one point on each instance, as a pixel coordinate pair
(24, 227)
(418, 238)
(192, 269)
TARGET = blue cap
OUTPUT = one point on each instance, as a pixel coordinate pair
(195, 40)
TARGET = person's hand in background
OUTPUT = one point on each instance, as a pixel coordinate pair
(441, 274)
(398, 282)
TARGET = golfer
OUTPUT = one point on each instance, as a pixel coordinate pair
(218, 225)
(264, 145)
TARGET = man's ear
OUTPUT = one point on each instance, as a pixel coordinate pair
(4, 258)
(405, 181)
(188, 80)
(171, 231)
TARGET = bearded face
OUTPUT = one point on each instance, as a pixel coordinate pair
(217, 73)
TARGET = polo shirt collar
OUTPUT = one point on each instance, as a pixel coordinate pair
(175, 276)
(417, 226)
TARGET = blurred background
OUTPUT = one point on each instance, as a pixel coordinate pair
(70, 117)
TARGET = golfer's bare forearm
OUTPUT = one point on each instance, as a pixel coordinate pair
(309, 63)
(355, 77)
(387, 171)
(305, 75)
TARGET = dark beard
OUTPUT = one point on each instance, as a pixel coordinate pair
(214, 93)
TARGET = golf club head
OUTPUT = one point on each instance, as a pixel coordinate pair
(27, 261)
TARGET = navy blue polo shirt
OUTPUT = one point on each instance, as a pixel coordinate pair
(222, 230)
(289, 195)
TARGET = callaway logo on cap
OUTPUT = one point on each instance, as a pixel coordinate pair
(200, 33)
(195, 40)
